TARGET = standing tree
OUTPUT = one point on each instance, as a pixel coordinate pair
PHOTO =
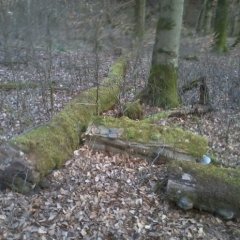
(220, 26)
(140, 18)
(162, 83)
(205, 17)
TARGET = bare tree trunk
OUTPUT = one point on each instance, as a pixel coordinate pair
(200, 17)
(207, 23)
(234, 18)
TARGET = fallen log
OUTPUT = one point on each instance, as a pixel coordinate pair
(205, 187)
(27, 158)
(159, 144)
(197, 109)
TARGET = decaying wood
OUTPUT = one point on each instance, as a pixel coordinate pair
(205, 187)
(204, 92)
(197, 109)
(109, 140)
(201, 83)
(27, 158)
(16, 171)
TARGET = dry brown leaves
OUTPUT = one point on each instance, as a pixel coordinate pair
(101, 196)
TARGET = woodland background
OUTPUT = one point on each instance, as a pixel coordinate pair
(50, 51)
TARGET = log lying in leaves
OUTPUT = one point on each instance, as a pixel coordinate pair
(205, 187)
(157, 143)
(27, 158)
(8, 86)
(198, 109)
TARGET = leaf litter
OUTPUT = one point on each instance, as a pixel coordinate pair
(104, 196)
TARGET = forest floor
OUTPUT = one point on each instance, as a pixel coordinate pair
(105, 196)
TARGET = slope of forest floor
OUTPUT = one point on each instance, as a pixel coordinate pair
(102, 196)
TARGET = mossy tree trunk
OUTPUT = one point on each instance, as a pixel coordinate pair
(220, 26)
(140, 18)
(162, 83)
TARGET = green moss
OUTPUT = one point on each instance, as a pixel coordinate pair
(8, 86)
(20, 185)
(162, 87)
(221, 25)
(215, 182)
(49, 146)
(133, 110)
(157, 117)
(145, 132)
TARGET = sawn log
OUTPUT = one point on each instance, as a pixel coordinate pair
(205, 187)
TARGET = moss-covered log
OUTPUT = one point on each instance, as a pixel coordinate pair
(159, 143)
(205, 187)
(28, 157)
(221, 26)
(9, 86)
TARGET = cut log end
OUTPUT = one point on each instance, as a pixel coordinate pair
(205, 187)
(15, 170)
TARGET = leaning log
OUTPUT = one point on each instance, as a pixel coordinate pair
(27, 158)
(159, 144)
(205, 187)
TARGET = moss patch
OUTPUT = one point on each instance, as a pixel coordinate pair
(49, 146)
(157, 117)
(145, 132)
(8, 86)
(133, 110)
(216, 187)
(162, 87)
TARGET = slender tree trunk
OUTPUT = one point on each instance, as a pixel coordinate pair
(207, 22)
(204, 23)
(29, 39)
(201, 17)
(162, 83)
(140, 18)
(220, 26)
(237, 41)
(236, 24)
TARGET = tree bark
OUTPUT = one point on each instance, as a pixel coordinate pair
(220, 26)
(234, 18)
(27, 158)
(109, 140)
(204, 23)
(140, 18)
(159, 144)
(162, 83)
(207, 23)
(205, 187)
